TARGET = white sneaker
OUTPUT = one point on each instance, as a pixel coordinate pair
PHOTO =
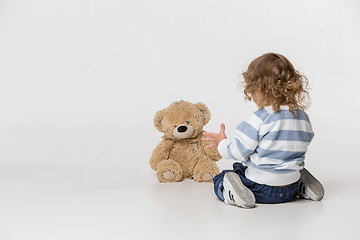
(310, 187)
(235, 193)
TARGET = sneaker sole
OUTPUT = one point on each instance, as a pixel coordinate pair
(315, 190)
(244, 197)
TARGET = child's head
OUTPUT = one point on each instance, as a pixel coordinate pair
(271, 80)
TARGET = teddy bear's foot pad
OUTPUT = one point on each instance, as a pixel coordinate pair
(207, 177)
(169, 175)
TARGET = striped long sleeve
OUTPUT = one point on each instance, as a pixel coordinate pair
(246, 139)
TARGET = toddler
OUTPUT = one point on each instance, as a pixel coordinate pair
(270, 145)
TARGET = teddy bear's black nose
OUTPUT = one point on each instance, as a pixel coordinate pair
(182, 129)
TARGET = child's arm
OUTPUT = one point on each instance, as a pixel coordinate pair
(243, 144)
(216, 138)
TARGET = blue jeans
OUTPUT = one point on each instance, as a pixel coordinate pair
(263, 193)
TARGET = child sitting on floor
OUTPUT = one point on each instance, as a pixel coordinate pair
(271, 144)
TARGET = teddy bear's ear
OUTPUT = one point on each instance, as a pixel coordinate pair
(159, 116)
(205, 111)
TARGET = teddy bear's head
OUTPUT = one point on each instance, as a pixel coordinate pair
(182, 119)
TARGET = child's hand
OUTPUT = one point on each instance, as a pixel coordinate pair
(216, 138)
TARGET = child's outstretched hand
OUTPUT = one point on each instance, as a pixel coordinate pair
(215, 138)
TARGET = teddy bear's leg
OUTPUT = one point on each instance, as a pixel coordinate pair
(169, 171)
(204, 172)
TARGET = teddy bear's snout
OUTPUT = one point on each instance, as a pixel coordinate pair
(183, 131)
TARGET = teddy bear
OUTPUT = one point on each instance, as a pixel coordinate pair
(181, 153)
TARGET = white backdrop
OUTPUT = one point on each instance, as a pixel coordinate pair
(107, 66)
(112, 64)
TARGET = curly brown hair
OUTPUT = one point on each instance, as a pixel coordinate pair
(276, 79)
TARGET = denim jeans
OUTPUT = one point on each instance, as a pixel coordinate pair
(263, 193)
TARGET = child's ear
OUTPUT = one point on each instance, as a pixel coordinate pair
(205, 111)
(159, 116)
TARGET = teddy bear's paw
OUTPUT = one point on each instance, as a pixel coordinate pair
(205, 172)
(206, 177)
(169, 175)
(169, 171)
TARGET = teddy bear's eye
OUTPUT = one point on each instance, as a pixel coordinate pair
(187, 122)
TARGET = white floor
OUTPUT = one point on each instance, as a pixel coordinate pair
(73, 184)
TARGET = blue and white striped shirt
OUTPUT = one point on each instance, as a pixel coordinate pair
(272, 145)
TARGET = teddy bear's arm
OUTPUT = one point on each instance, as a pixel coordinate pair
(161, 152)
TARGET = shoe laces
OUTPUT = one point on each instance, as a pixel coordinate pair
(301, 192)
(302, 188)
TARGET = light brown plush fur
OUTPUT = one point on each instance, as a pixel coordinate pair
(182, 153)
